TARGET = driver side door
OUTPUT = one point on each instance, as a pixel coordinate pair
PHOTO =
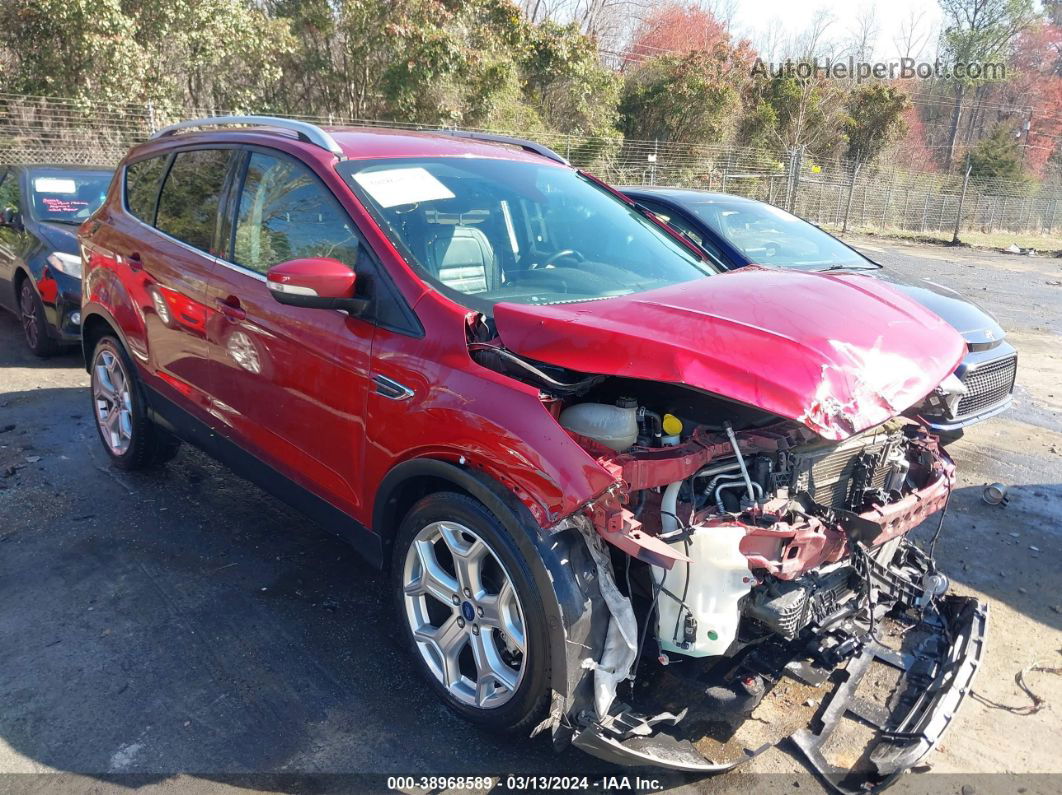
(289, 383)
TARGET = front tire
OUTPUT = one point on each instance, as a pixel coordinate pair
(471, 613)
(130, 438)
(34, 324)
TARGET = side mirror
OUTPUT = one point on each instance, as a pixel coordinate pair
(316, 283)
(12, 218)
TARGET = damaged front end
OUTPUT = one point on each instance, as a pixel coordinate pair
(751, 559)
(752, 583)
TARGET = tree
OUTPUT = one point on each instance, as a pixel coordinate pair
(998, 156)
(229, 52)
(566, 82)
(864, 33)
(677, 98)
(910, 151)
(675, 29)
(683, 77)
(793, 112)
(875, 119)
(79, 49)
(1036, 84)
(978, 31)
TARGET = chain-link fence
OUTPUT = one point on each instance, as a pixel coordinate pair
(838, 193)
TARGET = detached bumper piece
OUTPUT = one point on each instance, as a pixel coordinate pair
(889, 723)
(628, 740)
(862, 700)
(934, 680)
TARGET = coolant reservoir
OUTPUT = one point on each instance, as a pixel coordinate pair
(718, 577)
(615, 427)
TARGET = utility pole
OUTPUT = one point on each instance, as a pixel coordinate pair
(962, 199)
(1025, 134)
(796, 162)
(851, 193)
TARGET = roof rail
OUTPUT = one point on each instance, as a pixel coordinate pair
(523, 143)
(310, 133)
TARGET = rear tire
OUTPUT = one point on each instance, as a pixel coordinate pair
(470, 612)
(129, 437)
(34, 324)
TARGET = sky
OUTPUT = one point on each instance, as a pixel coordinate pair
(754, 19)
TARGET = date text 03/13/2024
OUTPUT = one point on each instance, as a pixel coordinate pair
(517, 783)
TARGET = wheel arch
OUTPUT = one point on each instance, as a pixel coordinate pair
(22, 273)
(410, 480)
(565, 563)
(95, 325)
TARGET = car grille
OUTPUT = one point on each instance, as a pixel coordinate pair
(987, 385)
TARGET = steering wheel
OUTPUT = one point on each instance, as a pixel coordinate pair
(564, 252)
(770, 249)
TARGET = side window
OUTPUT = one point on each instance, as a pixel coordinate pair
(142, 187)
(10, 195)
(286, 213)
(188, 206)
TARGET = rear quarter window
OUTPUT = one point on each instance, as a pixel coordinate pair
(188, 205)
(142, 187)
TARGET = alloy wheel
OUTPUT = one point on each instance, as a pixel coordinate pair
(465, 615)
(30, 321)
(113, 401)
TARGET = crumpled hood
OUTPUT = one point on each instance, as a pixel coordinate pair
(837, 352)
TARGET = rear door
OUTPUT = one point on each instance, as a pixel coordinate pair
(290, 383)
(170, 270)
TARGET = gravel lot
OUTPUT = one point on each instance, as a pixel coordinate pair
(184, 626)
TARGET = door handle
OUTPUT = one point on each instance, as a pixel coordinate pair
(135, 263)
(230, 308)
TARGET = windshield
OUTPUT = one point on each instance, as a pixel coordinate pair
(67, 197)
(769, 236)
(486, 231)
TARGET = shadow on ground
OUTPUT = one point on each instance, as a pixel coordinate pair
(183, 620)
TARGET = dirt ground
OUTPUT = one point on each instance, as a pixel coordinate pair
(184, 628)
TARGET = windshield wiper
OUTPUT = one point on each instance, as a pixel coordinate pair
(848, 268)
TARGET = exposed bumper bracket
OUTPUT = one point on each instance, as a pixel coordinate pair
(901, 744)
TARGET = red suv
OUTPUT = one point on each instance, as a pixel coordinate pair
(582, 451)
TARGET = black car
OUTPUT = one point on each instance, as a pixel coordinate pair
(40, 263)
(737, 231)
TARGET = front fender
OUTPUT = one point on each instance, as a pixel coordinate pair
(561, 565)
(104, 293)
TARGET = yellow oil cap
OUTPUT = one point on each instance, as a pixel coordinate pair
(672, 425)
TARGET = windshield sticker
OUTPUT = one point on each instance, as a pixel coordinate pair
(54, 185)
(63, 206)
(396, 186)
